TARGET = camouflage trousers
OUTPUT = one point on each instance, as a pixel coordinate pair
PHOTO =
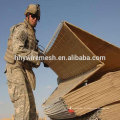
(21, 94)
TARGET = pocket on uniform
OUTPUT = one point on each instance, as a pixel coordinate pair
(16, 76)
(15, 91)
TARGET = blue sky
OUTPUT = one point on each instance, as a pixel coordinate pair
(99, 17)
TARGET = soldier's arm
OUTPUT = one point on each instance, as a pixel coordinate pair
(18, 41)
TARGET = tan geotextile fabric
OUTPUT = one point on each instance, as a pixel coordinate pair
(71, 40)
(95, 95)
(66, 86)
(100, 48)
(68, 44)
(111, 112)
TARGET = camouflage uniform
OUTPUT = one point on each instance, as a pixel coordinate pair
(21, 79)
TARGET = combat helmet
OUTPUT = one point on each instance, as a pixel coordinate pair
(34, 9)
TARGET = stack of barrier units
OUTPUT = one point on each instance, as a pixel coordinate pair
(74, 96)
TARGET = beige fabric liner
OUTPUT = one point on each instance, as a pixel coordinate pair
(67, 44)
(100, 48)
(73, 40)
(111, 112)
(66, 86)
(95, 95)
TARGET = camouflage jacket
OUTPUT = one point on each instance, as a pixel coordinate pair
(22, 43)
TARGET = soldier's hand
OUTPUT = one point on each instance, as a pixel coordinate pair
(40, 53)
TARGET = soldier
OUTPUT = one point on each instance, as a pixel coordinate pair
(20, 76)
